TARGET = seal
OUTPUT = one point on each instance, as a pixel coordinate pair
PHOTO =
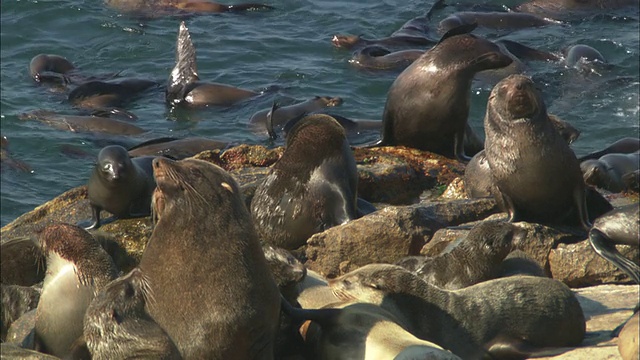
(83, 124)
(608, 171)
(105, 95)
(494, 20)
(376, 57)
(176, 149)
(502, 317)
(428, 104)
(314, 291)
(632, 181)
(21, 262)
(535, 171)
(6, 161)
(120, 185)
(583, 57)
(287, 271)
(201, 205)
(476, 258)
(16, 301)
(550, 8)
(311, 188)
(519, 262)
(50, 68)
(77, 267)
(167, 7)
(626, 145)
(116, 324)
(184, 87)
(413, 33)
(258, 121)
(353, 330)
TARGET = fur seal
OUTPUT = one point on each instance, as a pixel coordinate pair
(311, 188)
(535, 171)
(428, 103)
(176, 149)
(494, 20)
(413, 33)
(503, 318)
(608, 171)
(353, 330)
(99, 94)
(626, 145)
(314, 291)
(77, 267)
(557, 7)
(258, 121)
(50, 68)
(477, 258)
(287, 271)
(6, 161)
(116, 324)
(83, 124)
(184, 87)
(16, 301)
(120, 185)
(519, 262)
(204, 241)
(376, 57)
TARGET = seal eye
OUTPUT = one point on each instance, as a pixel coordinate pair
(115, 316)
(129, 291)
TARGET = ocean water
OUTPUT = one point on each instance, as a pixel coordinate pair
(288, 47)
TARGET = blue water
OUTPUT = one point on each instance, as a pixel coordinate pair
(288, 47)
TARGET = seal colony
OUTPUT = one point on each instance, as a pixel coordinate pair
(203, 289)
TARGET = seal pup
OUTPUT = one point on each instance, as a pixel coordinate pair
(311, 188)
(535, 171)
(204, 241)
(477, 258)
(501, 318)
(176, 149)
(77, 267)
(626, 145)
(258, 121)
(117, 326)
(428, 104)
(184, 87)
(608, 171)
(120, 185)
(287, 271)
(83, 124)
(352, 330)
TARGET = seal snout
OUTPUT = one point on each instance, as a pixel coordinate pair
(520, 96)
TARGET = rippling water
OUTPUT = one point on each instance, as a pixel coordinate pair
(288, 47)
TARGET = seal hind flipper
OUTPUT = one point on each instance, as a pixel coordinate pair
(269, 122)
(185, 71)
(508, 347)
(606, 249)
(458, 30)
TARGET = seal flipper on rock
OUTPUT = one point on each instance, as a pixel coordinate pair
(185, 73)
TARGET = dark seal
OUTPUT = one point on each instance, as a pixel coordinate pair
(311, 188)
(608, 171)
(428, 103)
(120, 185)
(535, 171)
(116, 324)
(500, 318)
(83, 124)
(213, 291)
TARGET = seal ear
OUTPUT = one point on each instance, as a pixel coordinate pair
(458, 30)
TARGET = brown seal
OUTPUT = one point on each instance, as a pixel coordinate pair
(258, 121)
(83, 124)
(558, 7)
(376, 57)
(494, 20)
(428, 103)
(502, 317)
(50, 68)
(176, 149)
(535, 171)
(214, 294)
(98, 94)
(120, 185)
(116, 324)
(477, 258)
(184, 87)
(77, 267)
(311, 188)
(625, 145)
(413, 33)
(608, 171)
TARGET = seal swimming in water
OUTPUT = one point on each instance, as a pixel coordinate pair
(50, 68)
(105, 95)
(608, 171)
(120, 185)
(184, 86)
(83, 124)
(376, 57)
(165, 7)
(176, 149)
(494, 20)
(214, 294)
(116, 324)
(535, 171)
(311, 188)
(477, 258)
(501, 318)
(77, 267)
(428, 104)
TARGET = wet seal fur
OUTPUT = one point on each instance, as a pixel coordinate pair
(535, 171)
(311, 188)
(214, 294)
(428, 104)
(77, 268)
(120, 185)
(116, 324)
(504, 318)
(184, 86)
(477, 258)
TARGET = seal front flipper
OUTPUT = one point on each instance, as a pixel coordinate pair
(185, 72)
(508, 347)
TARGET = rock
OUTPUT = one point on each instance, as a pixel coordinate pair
(387, 235)
(628, 340)
(16, 301)
(13, 351)
(22, 331)
(577, 265)
(455, 190)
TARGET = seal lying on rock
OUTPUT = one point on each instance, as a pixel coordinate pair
(608, 171)
(502, 318)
